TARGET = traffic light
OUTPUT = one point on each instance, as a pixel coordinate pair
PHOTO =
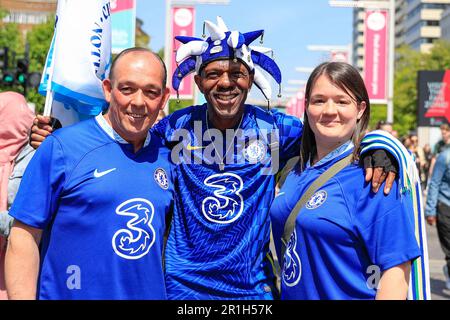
(34, 80)
(22, 72)
(8, 78)
(3, 58)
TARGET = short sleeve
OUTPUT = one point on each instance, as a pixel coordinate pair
(41, 186)
(385, 224)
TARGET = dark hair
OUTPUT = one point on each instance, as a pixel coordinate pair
(138, 49)
(382, 123)
(347, 78)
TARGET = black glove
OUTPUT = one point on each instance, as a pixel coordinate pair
(55, 123)
(380, 158)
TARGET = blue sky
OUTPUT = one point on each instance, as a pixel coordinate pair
(290, 25)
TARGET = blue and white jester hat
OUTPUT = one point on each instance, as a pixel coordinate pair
(195, 53)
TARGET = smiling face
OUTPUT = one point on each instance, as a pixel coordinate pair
(332, 114)
(225, 85)
(135, 95)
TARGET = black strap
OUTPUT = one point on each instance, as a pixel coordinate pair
(320, 181)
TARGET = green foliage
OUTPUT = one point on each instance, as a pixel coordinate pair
(142, 40)
(161, 53)
(39, 39)
(174, 105)
(408, 63)
(377, 112)
(10, 36)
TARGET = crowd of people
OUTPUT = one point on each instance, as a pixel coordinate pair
(433, 165)
(118, 207)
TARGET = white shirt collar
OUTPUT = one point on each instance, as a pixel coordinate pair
(113, 134)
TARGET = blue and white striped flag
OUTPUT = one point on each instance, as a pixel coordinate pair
(78, 60)
(419, 284)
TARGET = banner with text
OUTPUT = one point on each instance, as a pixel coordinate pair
(123, 24)
(182, 23)
(376, 55)
(433, 89)
(296, 105)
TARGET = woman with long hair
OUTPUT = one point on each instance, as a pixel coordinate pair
(346, 241)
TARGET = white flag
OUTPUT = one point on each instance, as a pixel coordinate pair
(80, 56)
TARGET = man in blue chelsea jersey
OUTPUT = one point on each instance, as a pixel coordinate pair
(95, 198)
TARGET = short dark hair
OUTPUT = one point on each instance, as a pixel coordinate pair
(138, 49)
(347, 78)
(383, 123)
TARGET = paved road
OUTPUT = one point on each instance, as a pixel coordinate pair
(437, 279)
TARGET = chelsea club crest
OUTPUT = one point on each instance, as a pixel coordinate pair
(316, 200)
(255, 151)
(161, 178)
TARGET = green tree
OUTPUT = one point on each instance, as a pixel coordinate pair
(408, 63)
(405, 89)
(39, 40)
(10, 37)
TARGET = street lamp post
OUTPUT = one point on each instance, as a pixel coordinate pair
(390, 6)
(304, 69)
(332, 48)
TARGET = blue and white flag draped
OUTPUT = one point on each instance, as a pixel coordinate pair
(419, 285)
(78, 60)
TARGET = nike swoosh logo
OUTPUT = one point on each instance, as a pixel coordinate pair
(280, 194)
(190, 147)
(101, 174)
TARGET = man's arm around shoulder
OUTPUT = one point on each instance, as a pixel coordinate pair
(22, 261)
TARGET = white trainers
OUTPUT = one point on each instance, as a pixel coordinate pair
(447, 278)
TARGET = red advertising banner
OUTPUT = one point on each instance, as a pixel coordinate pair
(296, 105)
(300, 107)
(183, 23)
(433, 89)
(376, 54)
(119, 5)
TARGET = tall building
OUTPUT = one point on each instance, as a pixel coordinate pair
(418, 23)
(358, 38)
(445, 24)
(27, 13)
(422, 25)
(400, 21)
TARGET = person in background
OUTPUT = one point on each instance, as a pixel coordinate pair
(419, 155)
(428, 156)
(15, 153)
(385, 126)
(437, 208)
(439, 146)
(344, 230)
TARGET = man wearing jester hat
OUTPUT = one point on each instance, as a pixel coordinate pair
(218, 245)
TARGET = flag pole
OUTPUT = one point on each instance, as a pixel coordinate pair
(49, 95)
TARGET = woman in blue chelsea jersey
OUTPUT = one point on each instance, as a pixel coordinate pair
(348, 242)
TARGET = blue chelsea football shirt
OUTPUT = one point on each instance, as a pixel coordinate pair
(219, 238)
(344, 237)
(103, 210)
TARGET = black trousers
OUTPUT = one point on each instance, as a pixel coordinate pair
(443, 228)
